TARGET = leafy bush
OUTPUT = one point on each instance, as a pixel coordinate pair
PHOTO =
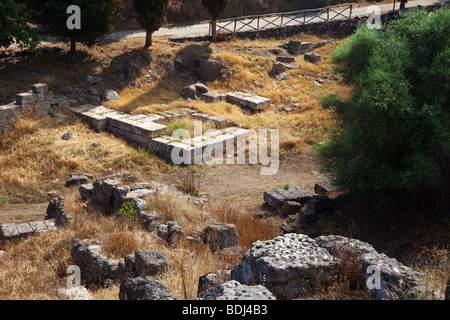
(392, 134)
(127, 209)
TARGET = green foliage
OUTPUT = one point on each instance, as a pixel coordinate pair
(14, 25)
(127, 209)
(392, 134)
(96, 18)
(286, 187)
(2, 202)
(151, 13)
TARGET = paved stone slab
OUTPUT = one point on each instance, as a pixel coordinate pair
(8, 231)
(24, 229)
(247, 100)
(38, 226)
(323, 187)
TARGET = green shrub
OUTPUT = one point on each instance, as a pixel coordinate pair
(392, 134)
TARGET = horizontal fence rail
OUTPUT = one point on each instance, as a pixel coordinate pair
(284, 19)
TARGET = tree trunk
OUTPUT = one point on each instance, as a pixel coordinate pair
(402, 4)
(73, 46)
(214, 30)
(148, 39)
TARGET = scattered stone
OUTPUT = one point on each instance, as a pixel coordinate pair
(290, 207)
(288, 265)
(212, 97)
(93, 92)
(93, 80)
(144, 289)
(67, 90)
(396, 279)
(96, 144)
(312, 57)
(189, 92)
(56, 211)
(276, 198)
(76, 179)
(285, 59)
(319, 203)
(86, 191)
(220, 236)
(308, 215)
(233, 290)
(323, 187)
(200, 89)
(110, 96)
(150, 262)
(140, 185)
(67, 135)
(206, 282)
(247, 100)
(75, 293)
(129, 70)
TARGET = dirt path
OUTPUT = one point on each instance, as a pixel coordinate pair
(24, 212)
(245, 182)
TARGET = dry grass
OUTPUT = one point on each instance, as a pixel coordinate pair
(34, 155)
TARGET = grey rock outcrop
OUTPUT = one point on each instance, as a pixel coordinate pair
(396, 279)
(150, 262)
(56, 211)
(288, 265)
(233, 290)
(144, 289)
(75, 293)
(220, 236)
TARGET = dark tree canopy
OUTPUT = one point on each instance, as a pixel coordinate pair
(151, 15)
(96, 19)
(14, 25)
(215, 7)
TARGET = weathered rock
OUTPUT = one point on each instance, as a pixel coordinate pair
(220, 236)
(76, 179)
(395, 278)
(93, 80)
(212, 97)
(323, 187)
(103, 196)
(86, 191)
(319, 203)
(144, 289)
(75, 293)
(189, 92)
(312, 57)
(110, 96)
(150, 262)
(308, 215)
(67, 135)
(285, 59)
(67, 90)
(288, 265)
(175, 233)
(141, 185)
(233, 290)
(290, 207)
(55, 210)
(129, 70)
(200, 89)
(276, 198)
(96, 268)
(206, 282)
(299, 47)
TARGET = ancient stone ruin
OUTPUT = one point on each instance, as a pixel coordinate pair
(39, 100)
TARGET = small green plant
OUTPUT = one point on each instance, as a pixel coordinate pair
(2, 202)
(20, 194)
(286, 187)
(127, 209)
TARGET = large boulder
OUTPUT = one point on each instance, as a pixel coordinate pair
(395, 279)
(288, 265)
(144, 289)
(150, 262)
(220, 236)
(233, 290)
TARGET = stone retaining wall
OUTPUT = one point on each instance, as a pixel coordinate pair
(39, 100)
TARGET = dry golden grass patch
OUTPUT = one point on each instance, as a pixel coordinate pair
(33, 155)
